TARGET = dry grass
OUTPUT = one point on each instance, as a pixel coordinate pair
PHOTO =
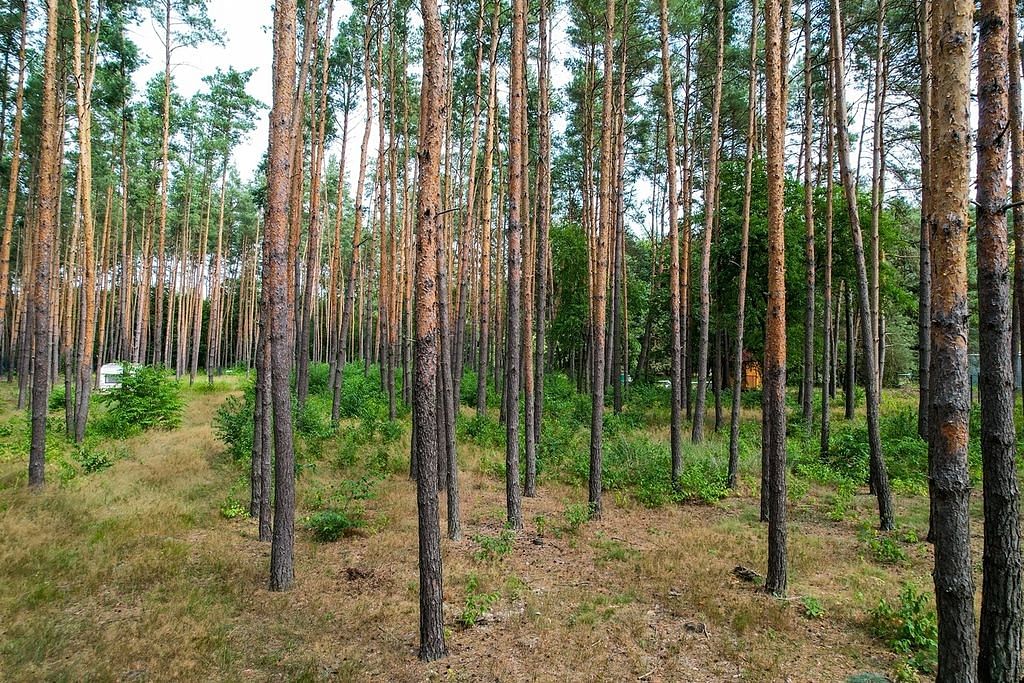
(133, 574)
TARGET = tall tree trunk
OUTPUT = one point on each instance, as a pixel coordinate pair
(828, 361)
(673, 241)
(164, 180)
(12, 184)
(879, 475)
(468, 225)
(543, 212)
(775, 331)
(741, 306)
(47, 197)
(282, 338)
(807, 379)
(949, 407)
(925, 275)
(428, 224)
(516, 196)
(878, 187)
(85, 72)
(485, 223)
(605, 227)
(1000, 626)
(710, 208)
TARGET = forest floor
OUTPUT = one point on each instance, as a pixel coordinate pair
(136, 573)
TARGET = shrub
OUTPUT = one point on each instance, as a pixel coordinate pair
(812, 607)
(483, 430)
(320, 379)
(313, 419)
(147, 399)
(494, 547)
(909, 628)
(477, 603)
(575, 516)
(883, 548)
(361, 394)
(90, 459)
(232, 423)
(232, 508)
(331, 524)
(57, 398)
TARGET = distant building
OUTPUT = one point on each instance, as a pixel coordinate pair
(751, 371)
(110, 376)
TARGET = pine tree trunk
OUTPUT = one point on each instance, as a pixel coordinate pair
(948, 393)
(828, 361)
(543, 213)
(12, 185)
(879, 475)
(710, 207)
(1000, 625)
(741, 307)
(673, 240)
(775, 332)
(516, 195)
(279, 316)
(925, 275)
(49, 170)
(428, 224)
(807, 380)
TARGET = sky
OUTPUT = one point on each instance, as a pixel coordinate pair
(245, 28)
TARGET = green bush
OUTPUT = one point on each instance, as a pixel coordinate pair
(477, 603)
(57, 398)
(148, 398)
(331, 524)
(909, 628)
(483, 430)
(320, 379)
(313, 419)
(361, 394)
(232, 423)
(90, 459)
(494, 547)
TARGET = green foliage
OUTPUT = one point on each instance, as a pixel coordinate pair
(644, 467)
(361, 394)
(575, 516)
(320, 379)
(812, 607)
(56, 401)
(477, 603)
(883, 547)
(483, 430)
(232, 508)
(313, 419)
(331, 524)
(494, 547)
(232, 423)
(91, 459)
(909, 627)
(148, 398)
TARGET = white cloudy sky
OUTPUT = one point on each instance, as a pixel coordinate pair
(245, 27)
